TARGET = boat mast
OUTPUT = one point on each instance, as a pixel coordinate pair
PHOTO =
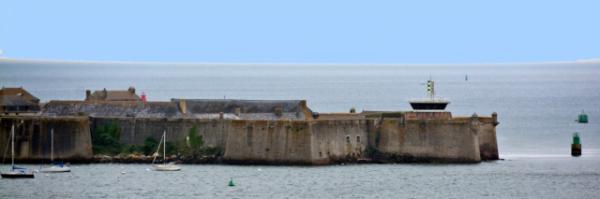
(12, 151)
(165, 148)
(52, 145)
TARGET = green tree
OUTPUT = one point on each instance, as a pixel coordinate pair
(171, 148)
(150, 145)
(195, 141)
(106, 139)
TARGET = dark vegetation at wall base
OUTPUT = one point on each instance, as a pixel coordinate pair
(149, 147)
(194, 146)
(105, 139)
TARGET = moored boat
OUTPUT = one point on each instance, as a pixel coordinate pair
(57, 167)
(164, 167)
(16, 172)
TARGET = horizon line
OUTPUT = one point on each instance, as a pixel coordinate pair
(41, 60)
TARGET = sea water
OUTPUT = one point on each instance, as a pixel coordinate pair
(537, 105)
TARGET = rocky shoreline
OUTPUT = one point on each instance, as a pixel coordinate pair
(134, 158)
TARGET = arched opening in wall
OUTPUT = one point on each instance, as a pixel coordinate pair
(347, 139)
(358, 138)
(320, 154)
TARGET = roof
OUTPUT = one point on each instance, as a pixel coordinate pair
(340, 116)
(18, 97)
(196, 106)
(11, 100)
(112, 109)
(244, 109)
(19, 92)
(114, 95)
(182, 108)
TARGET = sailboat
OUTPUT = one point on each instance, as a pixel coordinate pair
(16, 172)
(60, 167)
(164, 166)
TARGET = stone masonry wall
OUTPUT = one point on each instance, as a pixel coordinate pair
(269, 142)
(389, 137)
(401, 140)
(136, 130)
(338, 140)
(72, 140)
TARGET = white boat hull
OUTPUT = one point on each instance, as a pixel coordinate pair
(17, 174)
(55, 169)
(167, 167)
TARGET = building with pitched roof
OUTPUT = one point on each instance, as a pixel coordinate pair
(112, 95)
(18, 101)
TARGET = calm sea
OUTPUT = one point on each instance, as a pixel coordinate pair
(537, 105)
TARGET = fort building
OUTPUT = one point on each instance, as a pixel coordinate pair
(256, 131)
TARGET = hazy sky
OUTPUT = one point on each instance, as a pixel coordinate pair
(321, 31)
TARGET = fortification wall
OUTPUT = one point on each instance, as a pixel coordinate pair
(386, 137)
(338, 140)
(135, 130)
(256, 141)
(268, 142)
(72, 139)
(443, 140)
(488, 145)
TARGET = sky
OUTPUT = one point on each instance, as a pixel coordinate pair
(307, 31)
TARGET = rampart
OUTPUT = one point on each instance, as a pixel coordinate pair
(257, 132)
(72, 139)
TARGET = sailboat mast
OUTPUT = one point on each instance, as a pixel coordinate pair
(12, 151)
(52, 145)
(165, 148)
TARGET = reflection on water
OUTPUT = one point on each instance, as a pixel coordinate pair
(522, 177)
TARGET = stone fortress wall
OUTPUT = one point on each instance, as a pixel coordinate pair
(258, 132)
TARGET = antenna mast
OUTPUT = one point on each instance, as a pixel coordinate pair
(431, 89)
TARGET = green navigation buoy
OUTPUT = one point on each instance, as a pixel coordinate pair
(582, 118)
(576, 145)
(231, 184)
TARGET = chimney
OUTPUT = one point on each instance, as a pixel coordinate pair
(131, 90)
(278, 111)
(104, 93)
(87, 94)
(182, 106)
(495, 118)
(238, 111)
(303, 104)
